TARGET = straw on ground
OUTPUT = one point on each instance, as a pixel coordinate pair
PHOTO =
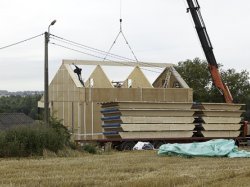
(134, 168)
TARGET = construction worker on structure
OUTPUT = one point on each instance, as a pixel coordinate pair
(78, 71)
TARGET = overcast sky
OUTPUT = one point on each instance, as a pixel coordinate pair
(157, 30)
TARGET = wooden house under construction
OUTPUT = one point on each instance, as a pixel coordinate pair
(77, 102)
(133, 108)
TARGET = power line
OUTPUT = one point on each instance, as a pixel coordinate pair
(76, 44)
(22, 41)
(123, 63)
(84, 47)
(87, 53)
(92, 48)
(75, 50)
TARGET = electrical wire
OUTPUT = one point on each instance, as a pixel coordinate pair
(123, 63)
(22, 41)
(76, 44)
(90, 49)
(87, 48)
(84, 47)
(93, 49)
(75, 50)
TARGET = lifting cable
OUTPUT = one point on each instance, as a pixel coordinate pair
(120, 33)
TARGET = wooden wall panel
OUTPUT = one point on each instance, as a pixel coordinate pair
(153, 94)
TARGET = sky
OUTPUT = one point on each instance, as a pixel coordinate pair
(157, 31)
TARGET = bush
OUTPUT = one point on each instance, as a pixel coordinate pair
(73, 145)
(32, 140)
(90, 148)
(62, 131)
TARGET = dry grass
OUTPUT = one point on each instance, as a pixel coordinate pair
(135, 168)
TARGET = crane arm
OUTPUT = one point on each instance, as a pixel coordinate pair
(194, 9)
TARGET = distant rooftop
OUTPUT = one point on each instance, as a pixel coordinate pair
(11, 120)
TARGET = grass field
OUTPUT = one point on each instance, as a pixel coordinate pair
(134, 168)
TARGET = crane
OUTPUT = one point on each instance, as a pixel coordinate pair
(194, 9)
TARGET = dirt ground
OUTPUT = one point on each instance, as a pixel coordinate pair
(133, 168)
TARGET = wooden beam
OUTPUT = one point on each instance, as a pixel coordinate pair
(117, 63)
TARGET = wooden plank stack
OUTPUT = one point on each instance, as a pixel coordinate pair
(147, 120)
(218, 120)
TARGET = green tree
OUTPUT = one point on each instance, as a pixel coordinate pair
(196, 74)
(26, 105)
(238, 84)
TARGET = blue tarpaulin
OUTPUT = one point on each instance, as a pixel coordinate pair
(212, 148)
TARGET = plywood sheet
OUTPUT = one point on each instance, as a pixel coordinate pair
(227, 120)
(153, 95)
(176, 120)
(110, 129)
(219, 113)
(157, 127)
(99, 79)
(222, 127)
(146, 104)
(175, 77)
(138, 80)
(163, 78)
(178, 95)
(144, 135)
(222, 134)
(157, 112)
(113, 94)
(221, 106)
(178, 77)
(138, 94)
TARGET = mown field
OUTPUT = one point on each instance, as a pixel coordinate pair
(134, 168)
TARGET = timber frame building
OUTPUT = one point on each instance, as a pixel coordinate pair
(78, 105)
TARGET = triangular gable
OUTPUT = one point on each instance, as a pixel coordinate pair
(169, 78)
(98, 79)
(136, 79)
(65, 76)
(163, 79)
(64, 79)
(73, 76)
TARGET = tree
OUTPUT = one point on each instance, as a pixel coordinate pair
(196, 74)
(238, 84)
(26, 105)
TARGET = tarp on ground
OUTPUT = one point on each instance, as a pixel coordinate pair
(212, 148)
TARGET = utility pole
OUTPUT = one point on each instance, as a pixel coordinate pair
(46, 75)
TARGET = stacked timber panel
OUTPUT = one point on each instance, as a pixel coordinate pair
(147, 120)
(218, 120)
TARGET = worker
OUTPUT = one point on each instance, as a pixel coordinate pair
(78, 71)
